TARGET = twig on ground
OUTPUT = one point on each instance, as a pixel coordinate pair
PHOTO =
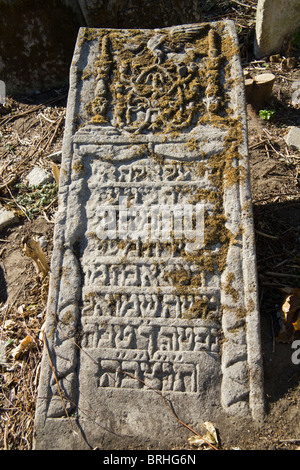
(272, 237)
(44, 142)
(277, 195)
(295, 276)
(244, 5)
(290, 440)
(253, 146)
(59, 121)
(32, 110)
(18, 205)
(9, 306)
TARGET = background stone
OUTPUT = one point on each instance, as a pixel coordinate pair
(293, 137)
(37, 40)
(7, 218)
(276, 20)
(140, 13)
(38, 176)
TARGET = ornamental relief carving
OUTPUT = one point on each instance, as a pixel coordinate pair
(157, 81)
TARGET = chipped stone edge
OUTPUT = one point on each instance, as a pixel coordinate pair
(253, 334)
(50, 325)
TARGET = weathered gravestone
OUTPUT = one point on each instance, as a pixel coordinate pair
(153, 287)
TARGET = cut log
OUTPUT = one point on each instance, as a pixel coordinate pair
(248, 88)
(262, 89)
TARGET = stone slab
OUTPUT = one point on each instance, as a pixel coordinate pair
(153, 289)
(276, 21)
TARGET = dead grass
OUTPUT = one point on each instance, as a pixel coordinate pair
(28, 134)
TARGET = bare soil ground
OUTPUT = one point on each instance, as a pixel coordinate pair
(32, 129)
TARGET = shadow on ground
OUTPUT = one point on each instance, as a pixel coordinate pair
(278, 260)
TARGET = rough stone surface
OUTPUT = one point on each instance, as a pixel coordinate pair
(276, 20)
(293, 137)
(38, 176)
(295, 98)
(7, 218)
(144, 307)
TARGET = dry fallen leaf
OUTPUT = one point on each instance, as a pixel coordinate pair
(3, 346)
(32, 248)
(55, 171)
(210, 437)
(291, 307)
(290, 315)
(8, 324)
(20, 309)
(24, 345)
(41, 335)
(296, 325)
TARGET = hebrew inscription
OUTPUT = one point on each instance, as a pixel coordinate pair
(141, 226)
(153, 282)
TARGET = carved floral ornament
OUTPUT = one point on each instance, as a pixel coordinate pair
(157, 80)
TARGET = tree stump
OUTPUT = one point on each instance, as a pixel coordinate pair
(248, 88)
(261, 90)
